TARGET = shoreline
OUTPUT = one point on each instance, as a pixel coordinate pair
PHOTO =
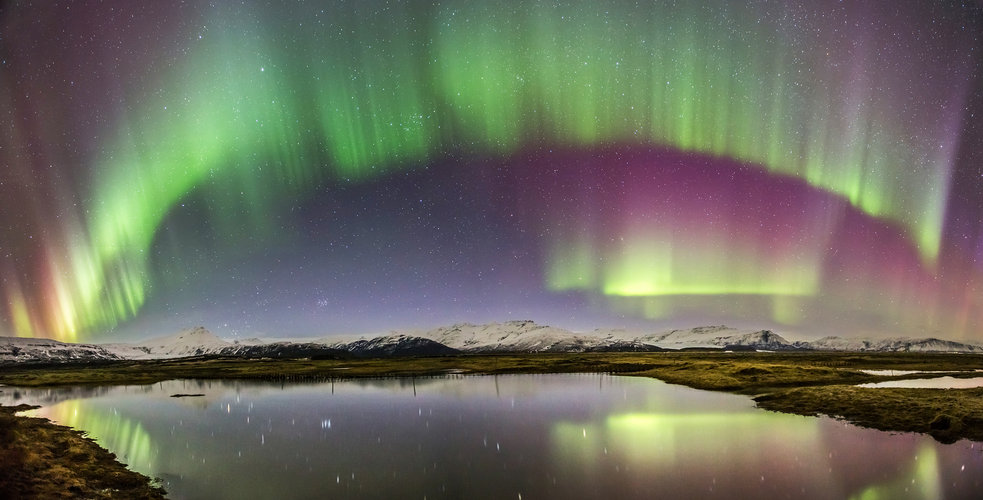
(34, 462)
(41, 459)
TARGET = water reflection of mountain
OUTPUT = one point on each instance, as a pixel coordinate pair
(212, 390)
(49, 395)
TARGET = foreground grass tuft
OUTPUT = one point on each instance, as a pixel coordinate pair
(39, 459)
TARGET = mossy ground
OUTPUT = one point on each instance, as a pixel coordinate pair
(39, 459)
(946, 414)
(807, 383)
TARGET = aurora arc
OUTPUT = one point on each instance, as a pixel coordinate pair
(265, 107)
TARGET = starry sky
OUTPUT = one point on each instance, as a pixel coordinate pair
(283, 168)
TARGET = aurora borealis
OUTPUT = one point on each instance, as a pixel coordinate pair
(310, 168)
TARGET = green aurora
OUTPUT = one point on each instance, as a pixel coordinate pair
(267, 104)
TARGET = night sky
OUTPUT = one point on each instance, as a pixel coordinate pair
(282, 168)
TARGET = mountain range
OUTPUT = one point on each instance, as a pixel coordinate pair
(462, 338)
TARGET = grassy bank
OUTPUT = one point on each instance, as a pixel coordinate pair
(748, 373)
(947, 415)
(801, 383)
(39, 459)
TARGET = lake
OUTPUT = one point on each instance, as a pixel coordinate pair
(517, 436)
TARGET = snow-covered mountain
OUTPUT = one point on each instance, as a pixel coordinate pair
(896, 344)
(718, 337)
(395, 345)
(30, 350)
(507, 337)
(513, 336)
(196, 341)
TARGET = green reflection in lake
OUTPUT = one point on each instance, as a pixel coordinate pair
(555, 436)
(753, 452)
(123, 436)
(920, 479)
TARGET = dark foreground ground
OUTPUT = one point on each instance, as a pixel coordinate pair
(40, 459)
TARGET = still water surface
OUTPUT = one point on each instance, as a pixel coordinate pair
(520, 437)
(930, 383)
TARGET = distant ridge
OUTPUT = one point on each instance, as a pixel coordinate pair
(898, 344)
(513, 336)
(30, 350)
(518, 336)
(396, 345)
(719, 337)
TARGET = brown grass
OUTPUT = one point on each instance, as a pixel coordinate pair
(39, 459)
